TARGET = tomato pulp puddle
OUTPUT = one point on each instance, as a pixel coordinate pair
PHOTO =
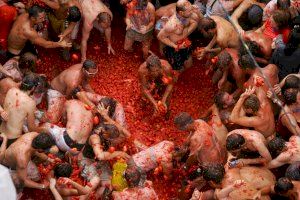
(118, 78)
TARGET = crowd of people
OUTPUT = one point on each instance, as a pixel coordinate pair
(245, 146)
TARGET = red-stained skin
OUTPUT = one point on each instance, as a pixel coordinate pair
(118, 78)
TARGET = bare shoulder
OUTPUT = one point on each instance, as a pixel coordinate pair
(151, 7)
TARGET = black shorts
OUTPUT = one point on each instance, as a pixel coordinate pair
(177, 58)
(29, 47)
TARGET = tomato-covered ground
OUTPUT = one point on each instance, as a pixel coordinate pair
(118, 78)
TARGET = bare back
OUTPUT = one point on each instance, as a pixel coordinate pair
(227, 37)
(18, 105)
(71, 77)
(80, 121)
(20, 147)
(5, 85)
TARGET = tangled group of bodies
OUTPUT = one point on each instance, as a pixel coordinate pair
(235, 150)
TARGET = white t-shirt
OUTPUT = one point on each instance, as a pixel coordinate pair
(7, 188)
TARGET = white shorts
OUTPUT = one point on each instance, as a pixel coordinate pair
(57, 134)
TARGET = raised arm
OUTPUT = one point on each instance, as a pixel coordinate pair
(282, 159)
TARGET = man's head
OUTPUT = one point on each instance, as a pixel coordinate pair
(224, 60)
(154, 66)
(29, 82)
(283, 4)
(246, 63)
(27, 61)
(111, 103)
(42, 85)
(276, 146)
(104, 20)
(183, 121)
(235, 142)
(255, 14)
(291, 96)
(291, 82)
(280, 19)
(183, 8)
(208, 27)
(42, 142)
(110, 131)
(283, 185)
(253, 47)
(36, 14)
(293, 171)
(133, 176)
(214, 174)
(63, 170)
(74, 14)
(224, 100)
(89, 68)
(251, 104)
(142, 4)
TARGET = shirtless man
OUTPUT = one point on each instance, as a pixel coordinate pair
(66, 84)
(262, 119)
(175, 36)
(23, 31)
(201, 142)
(285, 187)
(156, 79)
(254, 11)
(221, 32)
(244, 143)
(288, 152)
(95, 14)
(140, 21)
(28, 145)
(228, 64)
(270, 72)
(19, 108)
(79, 125)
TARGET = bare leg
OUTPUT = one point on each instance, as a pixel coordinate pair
(128, 44)
(146, 48)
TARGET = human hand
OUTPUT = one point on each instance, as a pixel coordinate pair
(277, 89)
(239, 183)
(52, 182)
(61, 37)
(65, 44)
(110, 50)
(248, 92)
(4, 115)
(102, 110)
(270, 94)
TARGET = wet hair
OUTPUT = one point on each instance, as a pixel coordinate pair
(253, 47)
(291, 82)
(112, 130)
(293, 42)
(281, 18)
(218, 99)
(42, 84)
(293, 171)
(234, 142)
(180, 6)
(224, 59)
(283, 185)
(290, 95)
(74, 14)
(74, 92)
(153, 61)
(214, 172)
(207, 23)
(283, 4)
(87, 64)
(276, 145)
(111, 103)
(27, 60)
(35, 10)
(246, 62)
(104, 17)
(252, 102)
(182, 120)
(255, 14)
(133, 176)
(42, 141)
(29, 81)
(63, 170)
